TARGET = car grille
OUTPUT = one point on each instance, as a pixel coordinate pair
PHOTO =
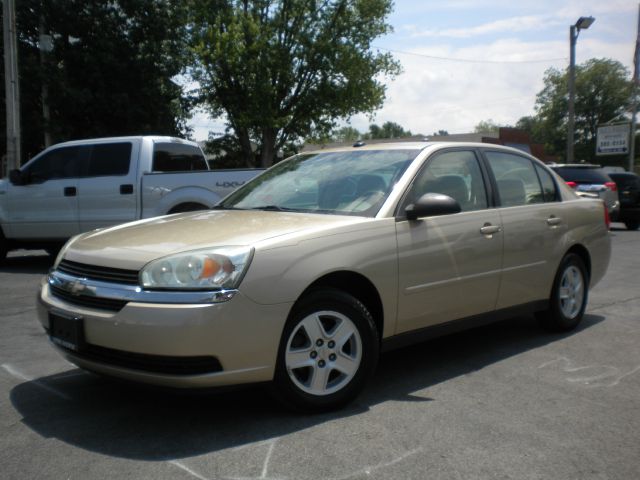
(148, 363)
(104, 274)
(100, 303)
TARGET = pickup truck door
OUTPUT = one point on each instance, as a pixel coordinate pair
(46, 206)
(107, 189)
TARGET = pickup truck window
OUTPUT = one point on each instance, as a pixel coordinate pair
(59, 163)
(109, 159)
(177, 157)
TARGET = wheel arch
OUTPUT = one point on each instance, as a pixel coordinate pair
(358, 286)
(583, 253)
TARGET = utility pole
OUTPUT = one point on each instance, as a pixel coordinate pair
(46, 46)
(12, 84)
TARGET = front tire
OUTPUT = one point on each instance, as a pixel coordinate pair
(568, 297)
(328, 350)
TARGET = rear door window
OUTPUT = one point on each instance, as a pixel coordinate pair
(516, 179)
(549, 190)
(177, 157)
(109, 159)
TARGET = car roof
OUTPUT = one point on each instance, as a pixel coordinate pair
(363, 145)
(154, 138)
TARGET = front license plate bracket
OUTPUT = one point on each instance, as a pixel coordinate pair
(66, 331)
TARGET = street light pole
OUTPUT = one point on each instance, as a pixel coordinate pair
(574, 30)
(572, 81)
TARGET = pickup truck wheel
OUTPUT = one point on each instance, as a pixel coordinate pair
(568, 297)
(328, 350)
(632, 225)
(187, 207)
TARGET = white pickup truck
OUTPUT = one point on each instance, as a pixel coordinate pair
(82, 185)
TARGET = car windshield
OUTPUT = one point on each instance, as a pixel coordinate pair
(342, 183)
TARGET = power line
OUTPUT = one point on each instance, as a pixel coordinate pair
(467, 60)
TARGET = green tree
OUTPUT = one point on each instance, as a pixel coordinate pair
(347, 134)
(111, 70)
(284, 70)
(603, 92)
(486, 126)
(388, 130)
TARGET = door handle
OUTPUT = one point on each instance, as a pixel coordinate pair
(70, 191)
(126, 189)
(489, 229)
(552, 221)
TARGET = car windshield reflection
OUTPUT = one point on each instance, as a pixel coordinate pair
(342, 183)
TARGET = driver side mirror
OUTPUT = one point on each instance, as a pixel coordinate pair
(431, 205)
(16, 177)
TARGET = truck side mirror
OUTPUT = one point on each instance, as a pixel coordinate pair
(16, 177)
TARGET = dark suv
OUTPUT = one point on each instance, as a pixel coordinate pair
(587, 178)
(629, 192)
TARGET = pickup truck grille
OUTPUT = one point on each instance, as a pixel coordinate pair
(110, 304)
(103, 274)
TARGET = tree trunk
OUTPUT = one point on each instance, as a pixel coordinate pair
(245, 146)
(268, 150)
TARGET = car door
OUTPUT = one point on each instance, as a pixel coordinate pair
(107, 190)
(449, 265)
(46, 206)
(534, 222)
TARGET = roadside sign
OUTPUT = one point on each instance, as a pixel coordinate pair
(613, 140)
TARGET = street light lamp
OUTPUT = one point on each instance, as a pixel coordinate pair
(582, 24)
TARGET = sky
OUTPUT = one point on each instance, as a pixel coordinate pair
(466, 61)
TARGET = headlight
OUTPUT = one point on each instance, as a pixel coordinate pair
(212, 268)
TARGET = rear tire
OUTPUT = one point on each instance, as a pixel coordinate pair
(568, 297)
(632, 225)
(328, 350)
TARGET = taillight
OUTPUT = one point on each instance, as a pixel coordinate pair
(607, 218)
(611, 186)
(572, 184)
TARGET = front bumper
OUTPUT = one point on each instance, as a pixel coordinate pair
(240, 335)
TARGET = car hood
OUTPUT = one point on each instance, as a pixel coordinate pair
(132, 245)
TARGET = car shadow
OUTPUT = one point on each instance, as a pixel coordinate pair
(31, 263)
(128, 421)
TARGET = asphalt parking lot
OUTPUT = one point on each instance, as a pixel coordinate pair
(499, 402)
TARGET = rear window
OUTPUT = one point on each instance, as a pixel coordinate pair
(177, 157)
(582, 175)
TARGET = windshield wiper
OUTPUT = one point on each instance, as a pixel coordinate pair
(274, 208)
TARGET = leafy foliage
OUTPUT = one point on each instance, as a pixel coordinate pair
(284, 70)
(110, 71)
(602, 93)
(486, 126)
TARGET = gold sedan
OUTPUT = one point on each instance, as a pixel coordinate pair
(301, 277)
